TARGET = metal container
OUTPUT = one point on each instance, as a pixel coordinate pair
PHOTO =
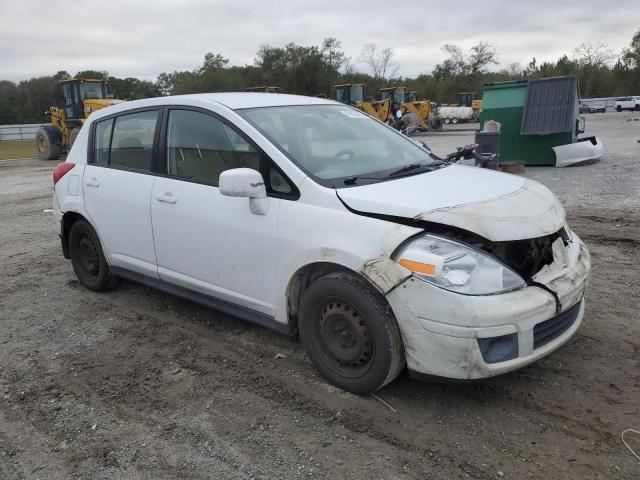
(536, 115)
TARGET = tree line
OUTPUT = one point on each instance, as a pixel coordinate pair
(314, 70)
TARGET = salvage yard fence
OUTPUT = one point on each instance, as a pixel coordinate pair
(609, 102)
(26, 131)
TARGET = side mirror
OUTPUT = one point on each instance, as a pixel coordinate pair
(248, 183)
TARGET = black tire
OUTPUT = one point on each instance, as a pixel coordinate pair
(454, 120)
(619, 108)
(72, 136)
(637, 108)
(435, 123)
(350, 333)
(88, 259)
(48, 142)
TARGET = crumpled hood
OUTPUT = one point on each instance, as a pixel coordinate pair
(497, 206)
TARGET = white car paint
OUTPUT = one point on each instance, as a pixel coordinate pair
(492, 204)
(104, 204)
(578, 152)
(216, 245)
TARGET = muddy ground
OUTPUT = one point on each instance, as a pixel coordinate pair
(135, 384)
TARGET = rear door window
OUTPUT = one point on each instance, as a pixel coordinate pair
(132, 140)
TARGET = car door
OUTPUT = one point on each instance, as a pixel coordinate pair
(206, 241)
(117, 184)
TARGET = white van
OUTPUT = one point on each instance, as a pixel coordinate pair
(309, 217)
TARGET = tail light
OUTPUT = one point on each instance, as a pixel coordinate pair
(61, 170)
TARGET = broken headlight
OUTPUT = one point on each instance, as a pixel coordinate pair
(457, 267)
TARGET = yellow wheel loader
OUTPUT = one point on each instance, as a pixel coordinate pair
(353, 94)
(75, 100)
(404, 101)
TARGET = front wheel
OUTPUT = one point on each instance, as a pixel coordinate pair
(637, 108)
(48, 142)
(619, 108)
(350, 333)
(88, 259)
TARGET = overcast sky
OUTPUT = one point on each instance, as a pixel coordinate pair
(146, 37)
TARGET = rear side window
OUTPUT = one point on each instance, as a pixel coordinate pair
(126, 141)
(132, 140)
(102, 141)
(201, 147)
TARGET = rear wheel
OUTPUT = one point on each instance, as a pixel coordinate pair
(637, 108)
(455, 120)
(350, 333)
(619, 108)
(88, 259)
(447, 121)
(48, 142)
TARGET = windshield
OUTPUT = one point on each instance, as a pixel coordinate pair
(90, 90)
(333, 143)
(357, 93)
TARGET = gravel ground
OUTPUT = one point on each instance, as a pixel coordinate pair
(135, 384)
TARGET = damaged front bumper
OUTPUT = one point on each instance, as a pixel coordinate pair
(585, 149)
(466, 337)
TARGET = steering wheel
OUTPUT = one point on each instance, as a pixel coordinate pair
(342, 153)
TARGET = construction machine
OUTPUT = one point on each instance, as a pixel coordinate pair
(263, 89)
(404, 101)
(395, 94)
(468, 99)
(410, 97)
(353, 94)
(74, 101)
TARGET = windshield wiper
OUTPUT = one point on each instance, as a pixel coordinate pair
(415, 166)
(353, 179)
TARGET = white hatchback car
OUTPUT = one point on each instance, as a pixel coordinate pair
(307, 216)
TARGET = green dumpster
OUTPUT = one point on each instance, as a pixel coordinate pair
(536, 115)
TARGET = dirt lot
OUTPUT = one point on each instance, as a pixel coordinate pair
(135, 384)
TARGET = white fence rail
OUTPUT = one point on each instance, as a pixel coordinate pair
(25, 131)
(609, 102)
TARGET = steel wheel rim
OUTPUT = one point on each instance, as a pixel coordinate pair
(41, 145)
(88, 256)
(344, 340)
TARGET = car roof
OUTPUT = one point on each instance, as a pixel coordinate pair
(239, 100)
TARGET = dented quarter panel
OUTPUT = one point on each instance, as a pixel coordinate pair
(358, 243)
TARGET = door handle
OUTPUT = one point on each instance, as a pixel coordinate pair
(92, 182)
(167, 198)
